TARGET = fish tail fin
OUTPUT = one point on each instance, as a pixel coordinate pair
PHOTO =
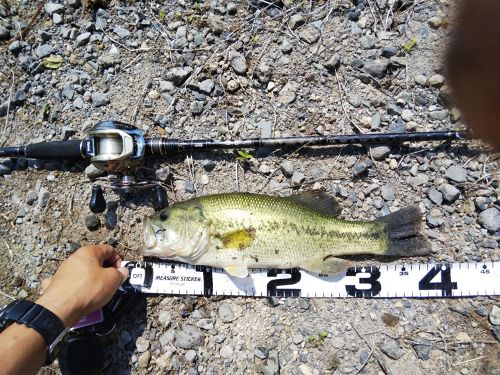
(404, 235)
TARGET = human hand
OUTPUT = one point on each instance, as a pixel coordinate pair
(84, 282)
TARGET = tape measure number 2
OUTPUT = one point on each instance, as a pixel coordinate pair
(383, 281)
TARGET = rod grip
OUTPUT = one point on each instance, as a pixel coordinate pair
(62, 150)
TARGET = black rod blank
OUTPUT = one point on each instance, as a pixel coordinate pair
(166, 146)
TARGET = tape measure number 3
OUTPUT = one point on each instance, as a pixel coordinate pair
(382, 281)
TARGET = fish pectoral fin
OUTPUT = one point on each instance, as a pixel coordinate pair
(238, 239)
(237, 271)
(328, 265)
(318, 201)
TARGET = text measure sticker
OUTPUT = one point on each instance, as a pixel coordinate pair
(383, 281)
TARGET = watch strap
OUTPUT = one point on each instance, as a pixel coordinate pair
(37, 317)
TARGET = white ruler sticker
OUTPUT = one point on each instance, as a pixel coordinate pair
(381, 281)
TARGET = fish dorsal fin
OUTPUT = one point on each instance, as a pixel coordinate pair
(238, 239)
(319, 201)
(237, 271)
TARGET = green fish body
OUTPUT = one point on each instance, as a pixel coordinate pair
(237, 231)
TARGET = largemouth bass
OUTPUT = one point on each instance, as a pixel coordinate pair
(237, 231)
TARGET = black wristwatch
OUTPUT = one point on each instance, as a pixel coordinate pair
(37, 317)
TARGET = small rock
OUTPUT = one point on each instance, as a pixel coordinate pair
(196, 107)
(333, 63)
(305, 369)
(143, 359)
(295, 21)
(286, 46)
(206, 86)
(261, 352)
(189, 186)
(226, 313)
(121, 32)
(179, 75)
(387, 193)
(376, 68)
(309, 34)
(287, 168)
(165, 318)
(297, 339)
(434, 218)
(359, 168)
(92, 221)
(226, 351)
(83, 38)
(462, 337)
(233, 86)
(437, 80)
(44, 50)
(215, 23)
(288, 93)
(423, 349)
(163, 174)
(31, 197)
(191, 355)
(67, 132)
(367, 41)
(43, 197)
(297, 178)
(421, 80)
(189, 337)
(15, 47)
(22, 294)
(100, 99)
(456, 173)
(435, 196)
(391, 348)
(141, 344)
(435, 22)
(263, 73)
(490, 219)
(389, 52)
(92, 172)
(438, 115)
(450, 192)
(380, 152)
(51, 8)
(107, 60)
(57, 19)
(238, 62)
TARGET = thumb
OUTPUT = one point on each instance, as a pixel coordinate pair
(116, 276)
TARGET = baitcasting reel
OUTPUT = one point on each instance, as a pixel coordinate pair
(119, 148)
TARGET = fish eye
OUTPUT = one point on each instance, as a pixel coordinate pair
(163, 215)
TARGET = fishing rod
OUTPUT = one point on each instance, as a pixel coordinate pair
(119, 148)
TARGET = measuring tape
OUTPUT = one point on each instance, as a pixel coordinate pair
(382, 281)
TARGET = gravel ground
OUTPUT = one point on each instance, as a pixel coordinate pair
(231, 70)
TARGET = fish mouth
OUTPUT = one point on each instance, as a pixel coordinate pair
(150, 235)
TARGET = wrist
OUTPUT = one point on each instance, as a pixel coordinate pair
(68, 313)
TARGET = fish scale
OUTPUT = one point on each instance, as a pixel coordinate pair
(252, 230)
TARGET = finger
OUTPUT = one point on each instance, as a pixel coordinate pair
(114, 261)
(116, 276)
(100, 252)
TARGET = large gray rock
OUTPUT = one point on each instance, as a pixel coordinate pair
(215, 23)
(189, 337)
(392, 348)
(376, 68)
(490, 219)
(206, 86)
(179, 75)
(450, 192)
(456, 173)
(238, 62)
(44, 50)
(309, 34)
(295, 21)
(51, 8)
(380, 152)
(226, 313)
(99, 99)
